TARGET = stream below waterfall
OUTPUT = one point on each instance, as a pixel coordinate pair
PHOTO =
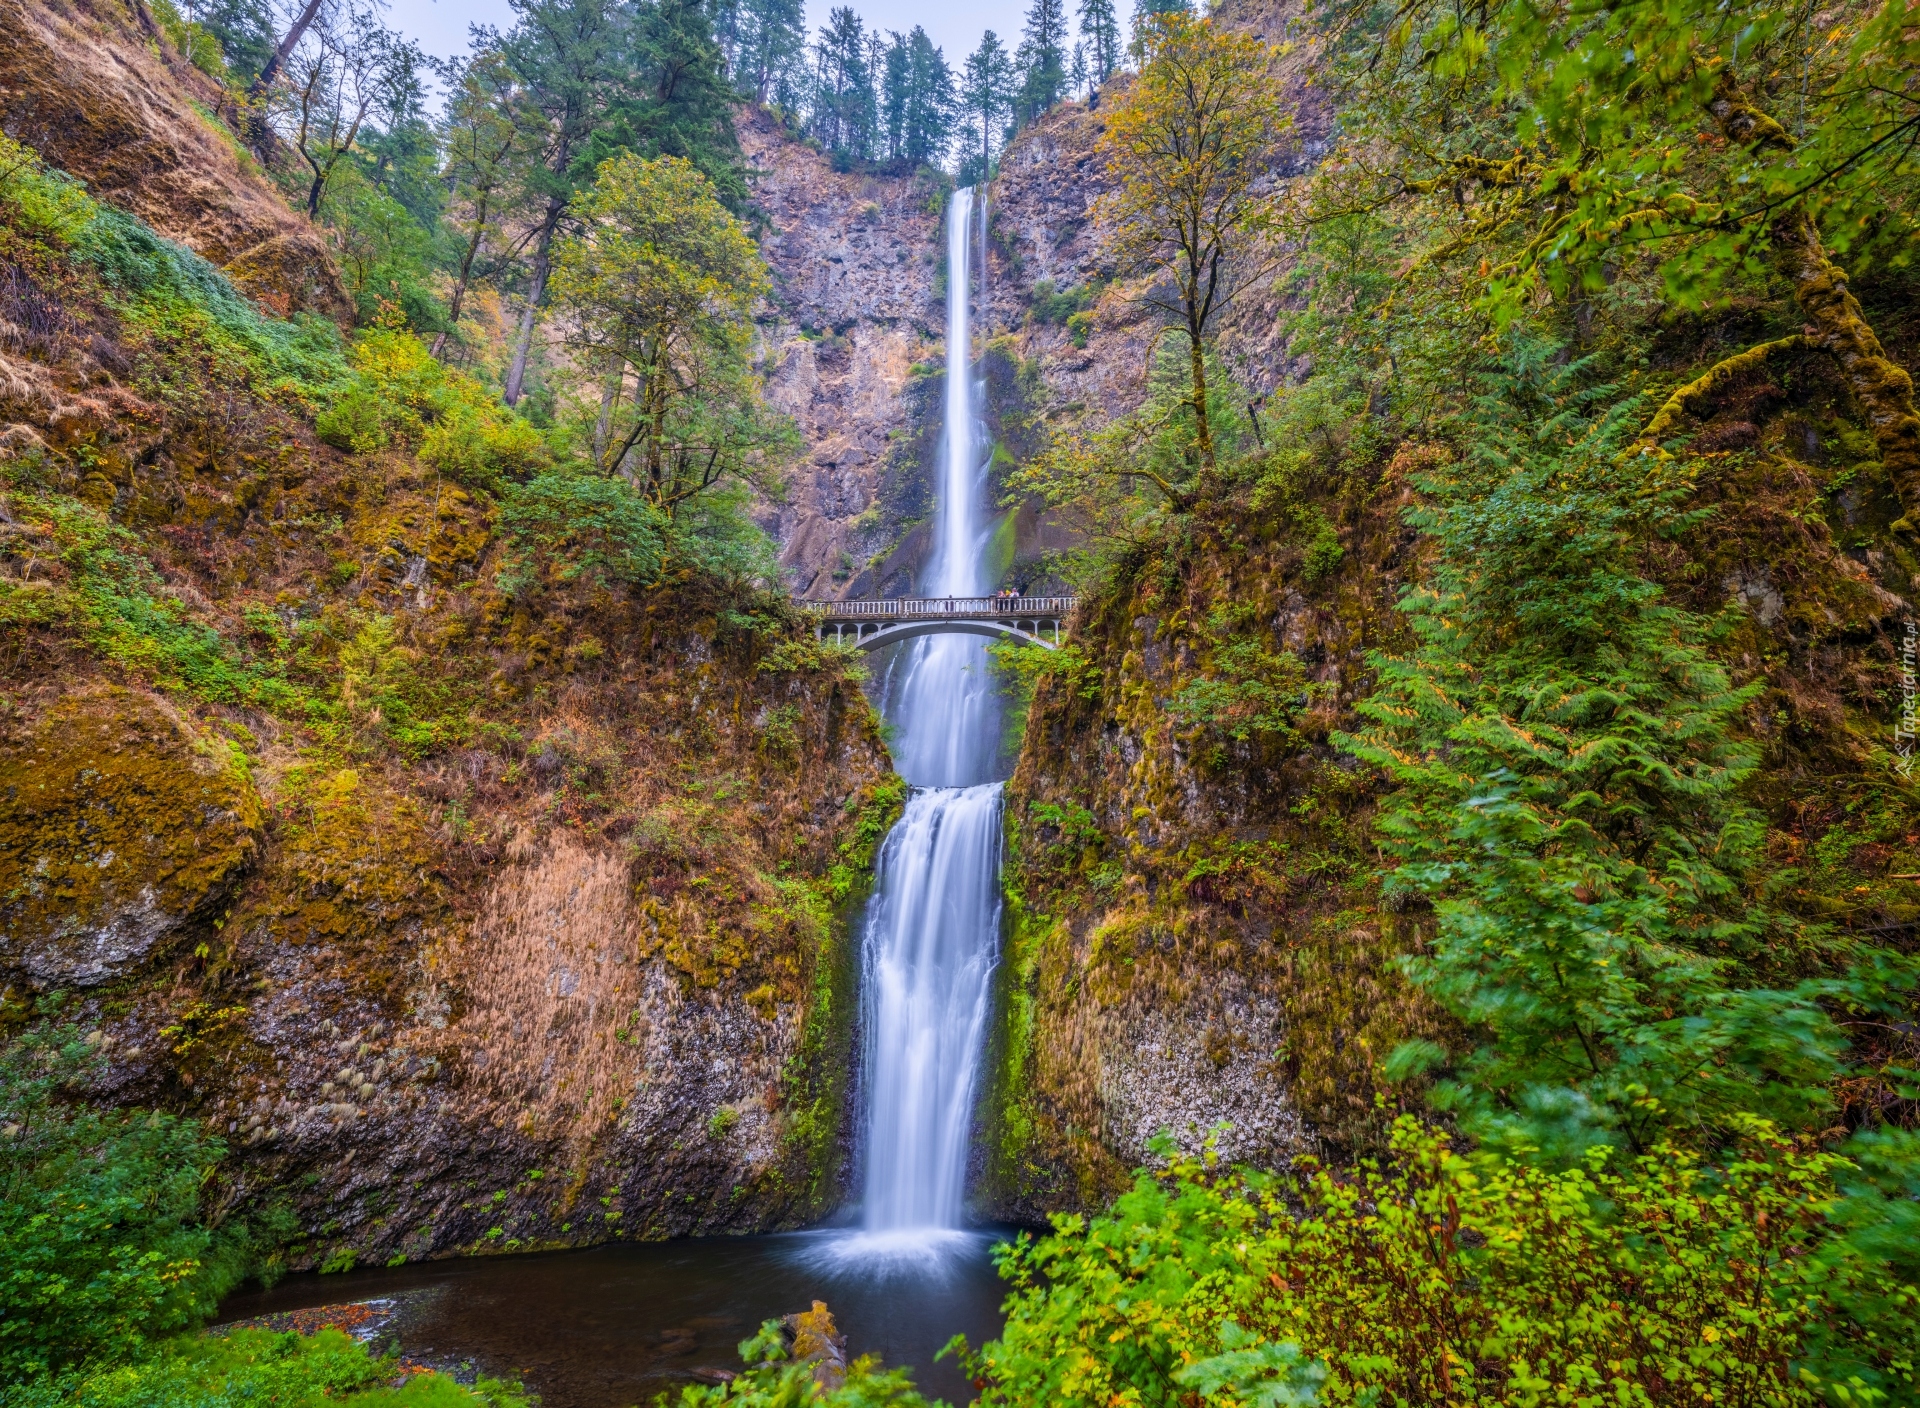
(611, 1326)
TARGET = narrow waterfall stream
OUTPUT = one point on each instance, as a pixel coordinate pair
(612, 1325)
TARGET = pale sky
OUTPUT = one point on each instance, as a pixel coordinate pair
(440, 26)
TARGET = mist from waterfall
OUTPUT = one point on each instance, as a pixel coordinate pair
(931, 937)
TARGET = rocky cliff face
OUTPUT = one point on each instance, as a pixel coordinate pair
(857, 319)
(855, 351)
(1197, 945)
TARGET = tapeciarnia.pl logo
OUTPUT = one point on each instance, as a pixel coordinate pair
(1904, 734)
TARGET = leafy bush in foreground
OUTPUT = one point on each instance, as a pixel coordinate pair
(1452, 1279)
(774, 1379)
(260, 1367)
(101, 1247)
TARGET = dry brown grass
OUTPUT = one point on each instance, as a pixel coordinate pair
(552, 960)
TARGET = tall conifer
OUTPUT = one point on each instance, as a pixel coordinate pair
(1042, 59)
(986, 94)
(1101, 30)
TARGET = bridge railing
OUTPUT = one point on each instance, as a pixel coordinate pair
(907, 608)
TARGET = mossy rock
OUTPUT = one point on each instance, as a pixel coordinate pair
(119, 825)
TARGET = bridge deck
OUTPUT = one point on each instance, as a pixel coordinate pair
(959, 608)
(872, 624)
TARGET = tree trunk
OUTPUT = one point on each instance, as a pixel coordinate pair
(1835, 325)
(523, 343)
(1203, 433)
(603, 427)
(460, 285)
(285, 50)
(1834, 322)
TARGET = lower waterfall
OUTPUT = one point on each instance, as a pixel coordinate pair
(929, 957)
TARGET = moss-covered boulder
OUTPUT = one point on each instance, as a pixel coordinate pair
(119, 825)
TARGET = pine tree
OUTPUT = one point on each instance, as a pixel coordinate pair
(986, 94)
(770, 46)
(1077, 71)
(928, 126)
(1042, 59)
(568, 56)
(1101, 30)
(895, 79)
(845, 106)
(680, 103)
(1144, 10)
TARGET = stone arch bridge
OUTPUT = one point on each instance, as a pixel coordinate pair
(1040, 620)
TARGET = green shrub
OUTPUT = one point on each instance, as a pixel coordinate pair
(1664, 1280)
(192, 39)
(482, 450)
(573, 527)
(1052, 307)
(101, 1247)
(361, 420)
(773, 1379)
(39, 202)
(400, 396)
(1079, 328)
(246, 1367)
(189, 306)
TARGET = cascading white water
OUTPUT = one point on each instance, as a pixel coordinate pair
(932, 931)
(930, 952)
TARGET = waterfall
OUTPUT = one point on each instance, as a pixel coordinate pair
(931, 937)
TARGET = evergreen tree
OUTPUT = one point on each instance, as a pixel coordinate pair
(845, 106)
(677, 100)
(486, 141)
(246, 31)
(400, 156)
(569, 57)
(986, 95)
(1101, 30)
(1042, 60)
(928, 125)
(769, 49)
(1077, 71)
(726, 16)
(896, 77)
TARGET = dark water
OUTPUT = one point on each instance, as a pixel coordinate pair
(611, 1326)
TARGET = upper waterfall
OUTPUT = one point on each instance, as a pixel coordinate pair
(956, 563)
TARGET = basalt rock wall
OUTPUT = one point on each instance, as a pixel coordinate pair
(473, 912)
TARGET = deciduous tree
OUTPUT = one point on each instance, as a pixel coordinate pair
(1192, 201)
(1715, 144)
(661, 285)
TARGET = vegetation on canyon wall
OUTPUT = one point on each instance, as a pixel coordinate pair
(1527, 677)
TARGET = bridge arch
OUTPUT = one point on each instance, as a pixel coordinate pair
(871, 636)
